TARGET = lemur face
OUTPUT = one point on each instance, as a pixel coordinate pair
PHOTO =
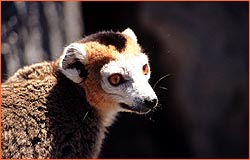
(112, 70)
(126, 80)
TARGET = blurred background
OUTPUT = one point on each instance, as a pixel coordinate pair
(201, 46)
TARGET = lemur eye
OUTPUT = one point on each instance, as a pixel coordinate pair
(116, 79)
(145, 69)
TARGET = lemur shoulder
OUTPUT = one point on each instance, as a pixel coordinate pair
(61, 109)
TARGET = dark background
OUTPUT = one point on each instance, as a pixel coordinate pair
(201, 46)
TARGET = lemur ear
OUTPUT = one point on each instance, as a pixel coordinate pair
(129, 32)
(72, 62)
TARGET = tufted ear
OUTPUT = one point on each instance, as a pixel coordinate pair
(72, 62)
(129, 32)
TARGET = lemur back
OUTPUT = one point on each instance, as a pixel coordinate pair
(61, 109)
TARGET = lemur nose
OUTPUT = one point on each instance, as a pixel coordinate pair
(151, 103)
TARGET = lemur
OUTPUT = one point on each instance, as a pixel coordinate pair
(61, 109)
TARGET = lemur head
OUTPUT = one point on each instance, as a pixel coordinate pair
(112, 70)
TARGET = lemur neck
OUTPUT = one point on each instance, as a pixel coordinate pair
(105, 106)
(108, 115)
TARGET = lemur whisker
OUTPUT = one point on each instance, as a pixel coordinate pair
(160, 80)
(164, 88)
(85, 116)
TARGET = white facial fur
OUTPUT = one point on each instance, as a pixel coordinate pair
(135, 89)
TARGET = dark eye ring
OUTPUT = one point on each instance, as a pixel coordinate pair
(116, 79)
